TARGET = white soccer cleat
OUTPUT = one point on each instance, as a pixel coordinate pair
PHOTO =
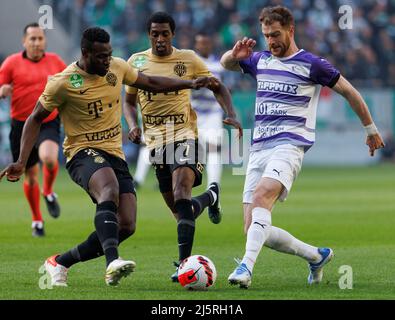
(118, 269)
(241, 276)
(57, 272)
(317, 269)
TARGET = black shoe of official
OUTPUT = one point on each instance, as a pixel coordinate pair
(52, 205)
(38, 232)
(174, 276)
(214, 210)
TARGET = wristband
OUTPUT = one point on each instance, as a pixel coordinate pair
(371, 129)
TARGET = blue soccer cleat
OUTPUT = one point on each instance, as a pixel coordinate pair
(241, 276)
(316, 269)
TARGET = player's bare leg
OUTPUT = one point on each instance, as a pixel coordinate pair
(103, 186)
(183, 179)
(169, 199)
(127, 215)
(265, 195)
(48, 154)
(127, 209)
(91, 248)
(282, 241)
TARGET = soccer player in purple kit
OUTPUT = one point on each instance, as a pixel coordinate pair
(289, 81)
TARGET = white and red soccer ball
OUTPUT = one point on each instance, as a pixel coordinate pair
(197, 272)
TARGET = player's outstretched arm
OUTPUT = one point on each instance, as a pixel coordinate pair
(29, 137)
(130, 113)
(163, 84)
(354, 98)
(243, 49)
(224, 98)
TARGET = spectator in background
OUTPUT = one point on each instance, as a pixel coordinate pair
(234, 30)
(227, 8)
(104, 13)
(157, 5)
(23, 77)
(205, 13)
(230, 20)
(182, 14)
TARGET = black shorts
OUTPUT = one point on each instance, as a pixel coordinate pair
(87, 161)
(166, 159)
(48, 131)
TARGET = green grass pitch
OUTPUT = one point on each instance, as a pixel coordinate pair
(351, 210)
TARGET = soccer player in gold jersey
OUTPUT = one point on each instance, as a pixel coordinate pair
(170, 129)
(87, 95)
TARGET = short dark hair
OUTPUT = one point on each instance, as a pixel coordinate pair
(278, 13)
(92, 35)
(161, 17)
(30, 25)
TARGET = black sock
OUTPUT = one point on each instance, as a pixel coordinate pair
(185, 227)
(87, 250)
(106, 224)
(201, 202)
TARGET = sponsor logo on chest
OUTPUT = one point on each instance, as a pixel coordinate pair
(275, 86)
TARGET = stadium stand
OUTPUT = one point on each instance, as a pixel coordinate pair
(365, 54)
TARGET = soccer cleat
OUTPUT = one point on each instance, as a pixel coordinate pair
(241, 276)
(214, 210)
(316, 269)
(174, 276)
(38, 232)
(118, 269)
(57, 272)
(52, 204)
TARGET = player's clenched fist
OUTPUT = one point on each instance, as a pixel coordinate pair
(214, 84)
(135, 135)
(232, 121)
(202, 82)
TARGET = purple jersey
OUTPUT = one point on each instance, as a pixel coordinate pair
(287, 96)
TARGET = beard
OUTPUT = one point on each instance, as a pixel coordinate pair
(281, 49)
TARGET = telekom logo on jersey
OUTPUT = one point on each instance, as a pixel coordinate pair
(277, 87)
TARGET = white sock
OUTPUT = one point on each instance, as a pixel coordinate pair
(213, 167)
(257, 234)
(282, 241)
(38, 224)
(143, 165)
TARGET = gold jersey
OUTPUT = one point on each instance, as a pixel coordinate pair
(167, 117)
(90, 106)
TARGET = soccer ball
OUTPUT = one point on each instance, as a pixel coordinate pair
(197, 273)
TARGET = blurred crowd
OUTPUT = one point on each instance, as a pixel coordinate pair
(365, 54)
